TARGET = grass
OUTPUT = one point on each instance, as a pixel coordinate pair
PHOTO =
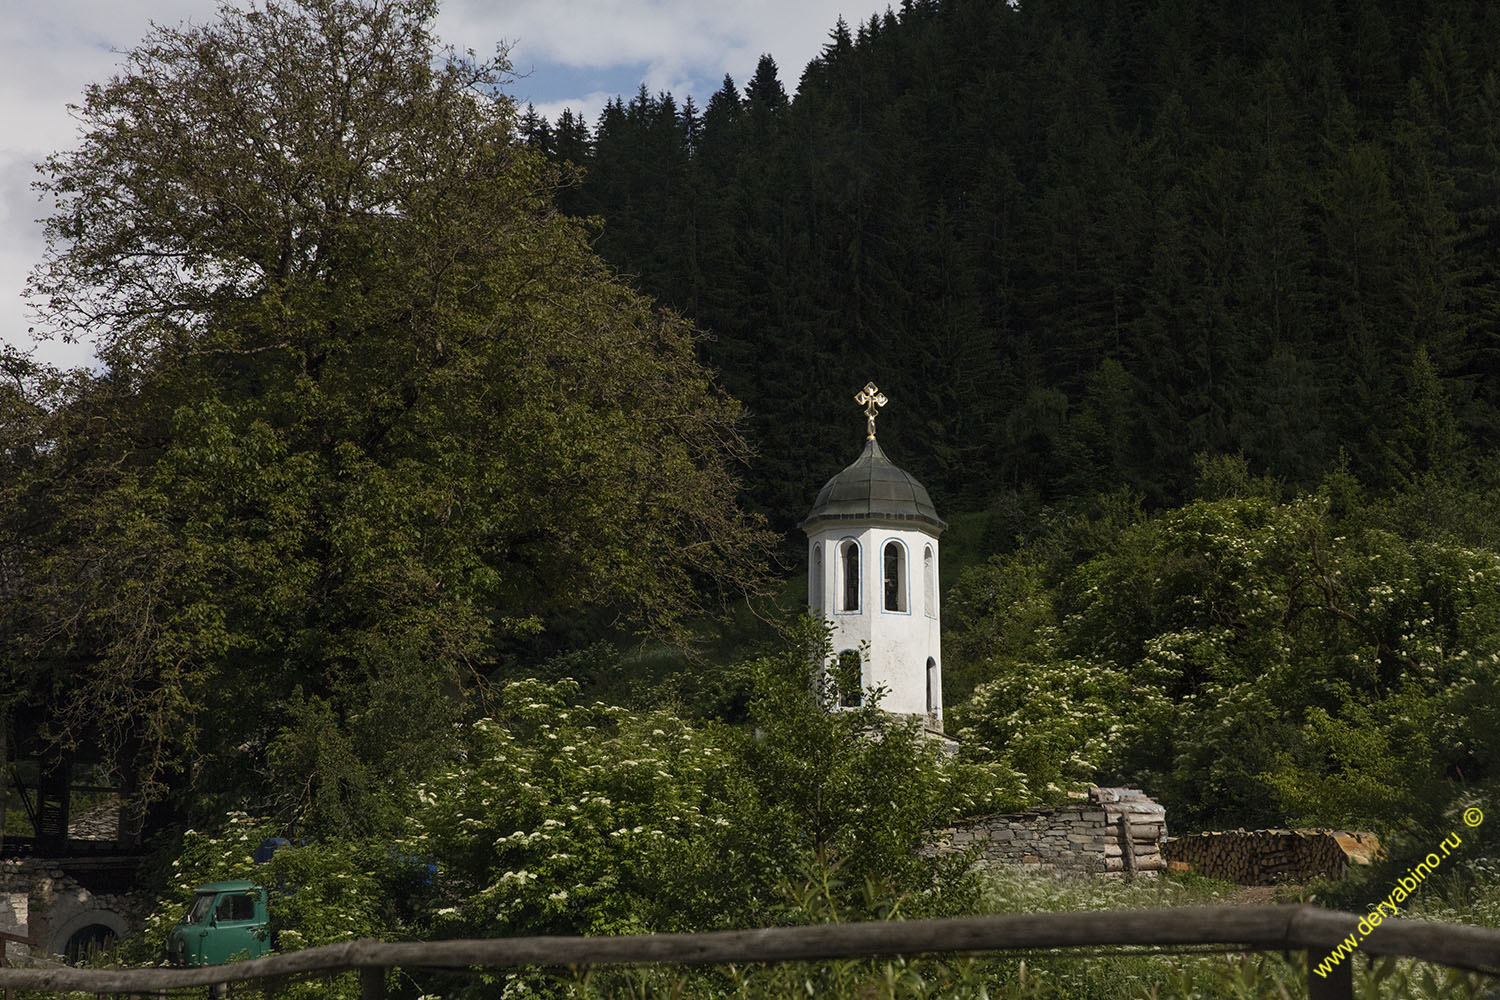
(1054, 975)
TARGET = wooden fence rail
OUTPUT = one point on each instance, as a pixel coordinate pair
(1237, 928)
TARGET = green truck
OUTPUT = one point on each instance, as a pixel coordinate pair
(232, 920)
(228, 920)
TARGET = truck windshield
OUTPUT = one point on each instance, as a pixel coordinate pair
(202, 907)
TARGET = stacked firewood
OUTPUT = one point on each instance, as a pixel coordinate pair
(1139, 827)
(1267, 857)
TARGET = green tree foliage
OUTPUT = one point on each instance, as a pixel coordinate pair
(553, 816)
(574, 818)
(1246, 659)
(1083, 243)
(371, 404)
(847, 676)
(317, 893)
(1426, 444)
(567, 818)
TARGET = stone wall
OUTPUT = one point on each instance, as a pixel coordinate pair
(15, 915)
(1113, 830)
(1266, 857)
(37, 899)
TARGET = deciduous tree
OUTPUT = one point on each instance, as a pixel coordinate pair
(370, 403)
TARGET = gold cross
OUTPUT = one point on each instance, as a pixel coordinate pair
(872, 399)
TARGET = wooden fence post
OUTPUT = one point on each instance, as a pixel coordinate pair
(372, 982)
(6, 938)
(1127, 845)
(1338, 984)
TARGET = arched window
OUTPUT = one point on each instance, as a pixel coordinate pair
(895, 576)
(815, 587)
(932, 681)
(849, 596)
(849, 678)
(929, 584)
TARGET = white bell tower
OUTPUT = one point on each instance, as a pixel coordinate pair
(872, 571)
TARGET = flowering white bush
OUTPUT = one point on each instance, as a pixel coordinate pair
(565, 817)
(1246, 660)
(318, 893)
(596, 819)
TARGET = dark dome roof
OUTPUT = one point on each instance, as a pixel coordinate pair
(873, 488)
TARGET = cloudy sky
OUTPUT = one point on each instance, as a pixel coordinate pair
(568, 53)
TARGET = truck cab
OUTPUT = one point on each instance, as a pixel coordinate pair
(227, 920)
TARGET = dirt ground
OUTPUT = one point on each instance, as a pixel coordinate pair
(1263, 895)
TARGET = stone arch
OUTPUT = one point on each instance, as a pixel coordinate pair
(815, 589)
(850, 586)
(849, 678)
(929, 584)
(932, 683)
(81, 928)
(893, 576)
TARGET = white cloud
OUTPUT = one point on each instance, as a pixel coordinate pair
(50, 51)
(586, 105)
(682, 46)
